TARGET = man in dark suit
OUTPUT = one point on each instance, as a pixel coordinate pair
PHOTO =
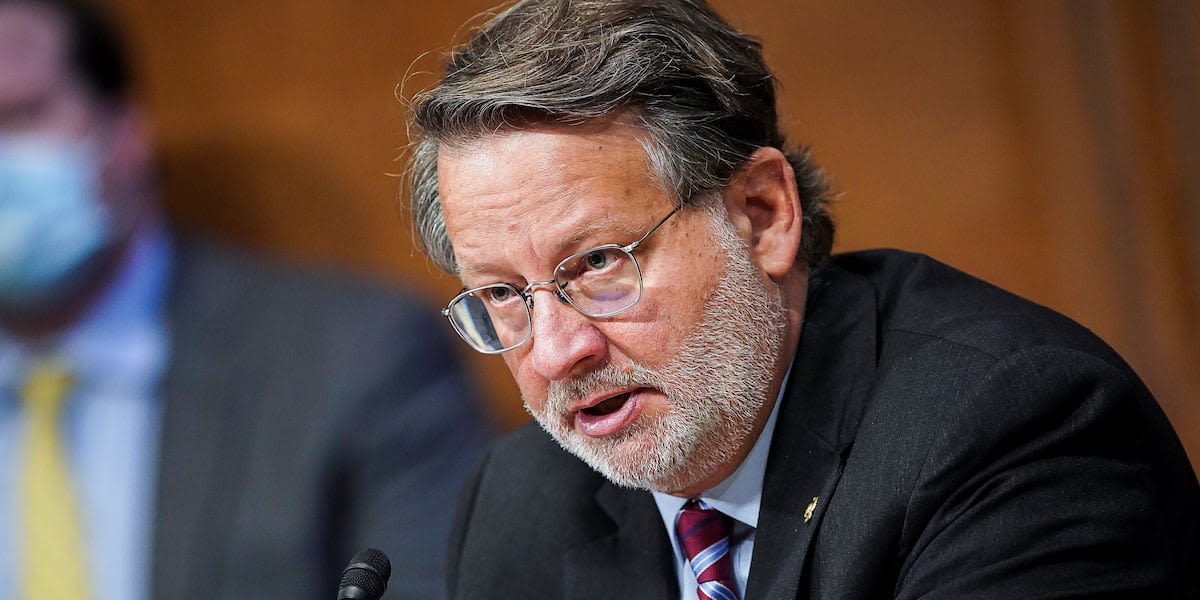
(231, 428)
(731, 412)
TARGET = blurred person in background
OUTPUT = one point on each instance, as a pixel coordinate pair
(178, 420)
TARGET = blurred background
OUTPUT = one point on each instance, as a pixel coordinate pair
(1051, 147)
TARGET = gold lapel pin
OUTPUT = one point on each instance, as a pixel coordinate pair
(808, 512)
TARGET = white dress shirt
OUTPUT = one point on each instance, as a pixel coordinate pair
(110, 424)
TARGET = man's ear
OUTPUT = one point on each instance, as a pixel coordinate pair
(764, 206)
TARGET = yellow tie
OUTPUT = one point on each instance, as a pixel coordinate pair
(54, 568)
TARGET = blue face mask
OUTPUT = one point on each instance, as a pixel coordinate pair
(51, 216)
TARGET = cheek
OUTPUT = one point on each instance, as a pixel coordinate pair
(650, 340)
(678, 283)
(532, 386)
(667, 316)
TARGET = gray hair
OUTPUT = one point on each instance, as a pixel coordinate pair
(698, 88)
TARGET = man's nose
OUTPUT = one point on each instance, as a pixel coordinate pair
(565, 341)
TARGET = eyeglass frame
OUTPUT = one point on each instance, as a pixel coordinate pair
(527, 297)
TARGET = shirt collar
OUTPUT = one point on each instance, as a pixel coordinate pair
(123, 332)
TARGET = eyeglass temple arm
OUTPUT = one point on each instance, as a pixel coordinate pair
(633, 246)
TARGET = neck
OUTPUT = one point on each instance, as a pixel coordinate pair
(71, 300)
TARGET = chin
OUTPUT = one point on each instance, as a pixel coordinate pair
(642, 456)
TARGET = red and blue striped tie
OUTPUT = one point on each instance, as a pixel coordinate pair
(704, 534)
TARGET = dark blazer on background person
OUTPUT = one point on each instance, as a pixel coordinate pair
(303, 420)
(959, 442)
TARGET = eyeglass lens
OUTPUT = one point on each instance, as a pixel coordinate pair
(598, 282)
(491, 319)
(601, 281)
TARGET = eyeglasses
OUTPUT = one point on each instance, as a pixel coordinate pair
(597, 282)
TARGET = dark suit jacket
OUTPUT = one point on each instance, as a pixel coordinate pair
(304, 418)
(960, 443)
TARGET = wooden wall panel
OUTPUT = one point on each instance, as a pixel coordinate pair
(1050, 147)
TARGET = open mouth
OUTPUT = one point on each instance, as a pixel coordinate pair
(608, 406)
(609, 415)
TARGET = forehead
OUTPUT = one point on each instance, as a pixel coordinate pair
(524, 198)
(33, 52)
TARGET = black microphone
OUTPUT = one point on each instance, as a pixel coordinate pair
(366, 577)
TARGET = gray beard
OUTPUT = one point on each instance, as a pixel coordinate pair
(716, 387)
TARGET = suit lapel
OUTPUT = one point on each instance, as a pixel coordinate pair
(206, 406)
(826, 393)
(634, 562)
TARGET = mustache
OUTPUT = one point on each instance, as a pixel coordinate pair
(561, 394)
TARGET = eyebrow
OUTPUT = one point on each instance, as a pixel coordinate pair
(562, 248)
(465, 271)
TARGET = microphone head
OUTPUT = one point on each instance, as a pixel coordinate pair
(366, 577)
